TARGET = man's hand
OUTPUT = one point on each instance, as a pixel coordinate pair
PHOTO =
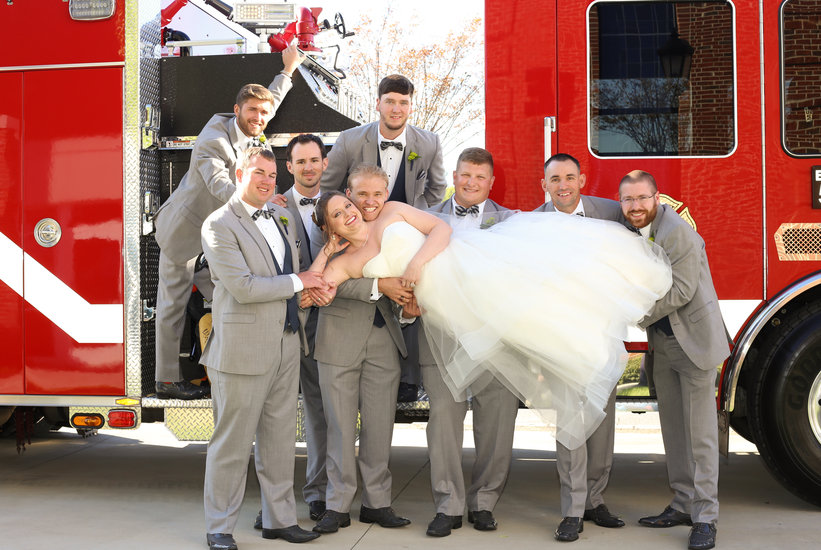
(411, 309)
(291, 58)
(279, 200)
(393, 289)
(322, 297)
(312, 279)
(305, 300)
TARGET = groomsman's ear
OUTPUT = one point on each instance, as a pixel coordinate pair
(544, 185)
(239, 175)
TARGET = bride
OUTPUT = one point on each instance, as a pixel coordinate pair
(541, 301)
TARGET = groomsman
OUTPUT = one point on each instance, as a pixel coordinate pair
(358, 344)
(207, 185)
(412, 158)
(688, 341)
(583, 472)
(494, 406)
(252, 354)
(306, 160)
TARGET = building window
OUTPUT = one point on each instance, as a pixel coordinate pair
(801, 76)
(661, 79)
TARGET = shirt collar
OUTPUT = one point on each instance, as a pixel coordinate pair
(251, 209)
(645, 231)
(579, 208)
(298, 195)
(481, 206)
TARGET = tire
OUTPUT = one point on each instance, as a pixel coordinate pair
(785, 408)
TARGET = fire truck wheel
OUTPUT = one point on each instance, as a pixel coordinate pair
(786, 405)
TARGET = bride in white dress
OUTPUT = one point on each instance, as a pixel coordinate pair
(541, 301)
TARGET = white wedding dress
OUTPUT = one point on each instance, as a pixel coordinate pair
(541, 301)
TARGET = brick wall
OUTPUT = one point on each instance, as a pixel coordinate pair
(802, 76)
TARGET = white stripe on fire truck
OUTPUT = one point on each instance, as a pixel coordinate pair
(85, 323)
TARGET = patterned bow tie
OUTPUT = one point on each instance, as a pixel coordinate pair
(580, 214)
(461, 211)
(385, 144)
(304, 200)
(256, 142)
(267, 214)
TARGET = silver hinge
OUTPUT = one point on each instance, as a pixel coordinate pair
(149, 312)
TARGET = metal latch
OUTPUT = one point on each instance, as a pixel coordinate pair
(151, 204)
(149, 312)
(150, 127)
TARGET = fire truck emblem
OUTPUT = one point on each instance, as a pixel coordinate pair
(675, 205)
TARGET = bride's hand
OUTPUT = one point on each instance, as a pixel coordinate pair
(335, 245)
(411, 275)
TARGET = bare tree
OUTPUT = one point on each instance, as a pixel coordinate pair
(449, 94)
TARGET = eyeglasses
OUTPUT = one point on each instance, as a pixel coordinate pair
(631, 200)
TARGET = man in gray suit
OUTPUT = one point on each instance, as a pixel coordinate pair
(252, 355)
(412, 158)
(585, 471)
(307, 160)
(494, 406)
(207, 185)
(688, 340)
(358, 343)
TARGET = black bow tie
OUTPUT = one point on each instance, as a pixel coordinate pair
(256, 142)
(267, 214)
(385, 144)
(580, 214)
(461, 211)
(304, 200)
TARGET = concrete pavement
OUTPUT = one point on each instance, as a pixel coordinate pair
(143, 489)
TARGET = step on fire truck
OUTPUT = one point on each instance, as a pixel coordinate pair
(721, 102)
(96, 129)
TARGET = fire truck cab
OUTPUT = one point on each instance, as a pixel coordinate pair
(721, 102)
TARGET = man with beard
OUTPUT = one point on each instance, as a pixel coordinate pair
(688, 341)
(208, 184)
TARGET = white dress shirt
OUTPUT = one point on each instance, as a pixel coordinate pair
(391, 158)
(269, 230)
(305, 211)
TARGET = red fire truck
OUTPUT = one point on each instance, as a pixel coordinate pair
(96, 126)
(721, 102)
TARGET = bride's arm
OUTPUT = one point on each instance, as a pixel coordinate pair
(337, 270)
(438, 236)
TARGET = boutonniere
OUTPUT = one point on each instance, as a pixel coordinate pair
(652, 236)
(262, 139)
(412, 156)
(284, 221)
(487, 223)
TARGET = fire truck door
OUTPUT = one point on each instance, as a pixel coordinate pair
(11, 259)
(72, 230)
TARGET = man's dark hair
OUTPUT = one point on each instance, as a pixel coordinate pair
(640, 175)
(475, 155)
(561, 157)
(303, 139)
(395, 83)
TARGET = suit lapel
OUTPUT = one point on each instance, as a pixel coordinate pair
(253, 231)
(283, 230)
(369, 152)
(411, 144)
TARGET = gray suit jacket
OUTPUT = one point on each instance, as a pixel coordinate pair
(594, 207)
(208, 184)
(249, 305)
(307, 316)
(425, 354)
(691, 305)
(424, 177)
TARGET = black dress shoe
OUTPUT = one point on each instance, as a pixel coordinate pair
(258, 521)
(385, 517)
(221, 541)
(569, 529)
(668, 518)
(442, 524)
(702, 536)
(316, 508)
(483, 520)
(294, 533)
(181, 390)
(408, 393)
(602, 517)
(331, 521)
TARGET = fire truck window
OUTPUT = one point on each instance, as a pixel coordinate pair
(801, 104)
(661, 81)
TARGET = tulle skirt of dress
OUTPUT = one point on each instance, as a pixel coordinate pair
(541, 301)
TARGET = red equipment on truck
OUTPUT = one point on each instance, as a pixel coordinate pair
(721, 102)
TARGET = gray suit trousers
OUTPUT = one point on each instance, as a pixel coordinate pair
(689, 428)
(316, 436)
(584, 472)
(245, 407)
(369, 386)
(494, 418)
(173, 293)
